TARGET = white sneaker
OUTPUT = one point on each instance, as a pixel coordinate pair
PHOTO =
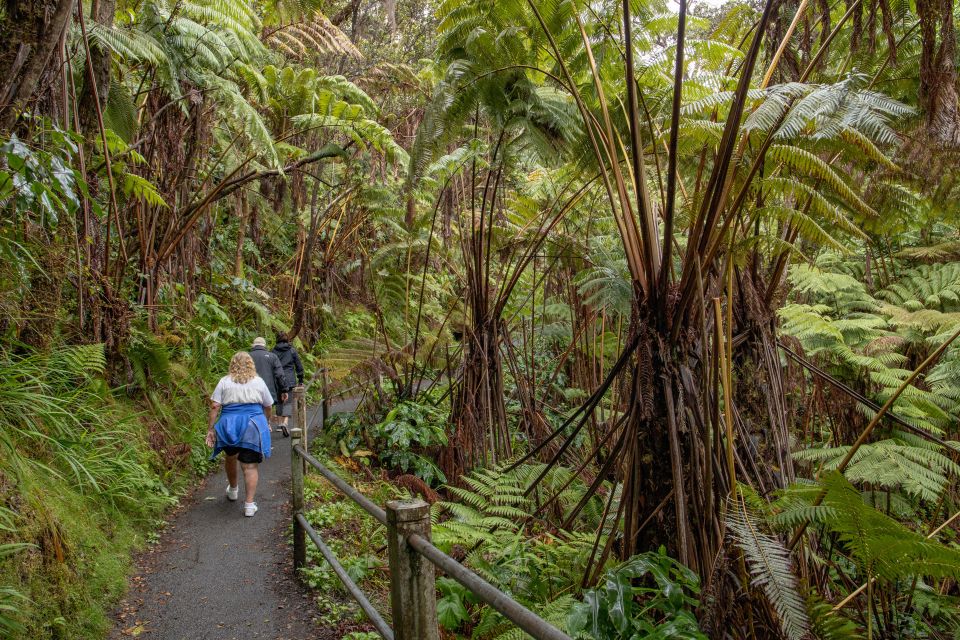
(249, 509)
(232, 493)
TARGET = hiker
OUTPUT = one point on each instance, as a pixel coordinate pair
(239, 409)
(269, 368)
(293, 376)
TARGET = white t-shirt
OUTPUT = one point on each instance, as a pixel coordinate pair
(253, 392)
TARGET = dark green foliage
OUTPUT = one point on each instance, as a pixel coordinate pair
(36, 185)
(120, 114)
(402, 440)
(452, 603)
(648, 596)
(827, 624)
(404, 435)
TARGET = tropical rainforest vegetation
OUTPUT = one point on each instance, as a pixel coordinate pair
(684, 278)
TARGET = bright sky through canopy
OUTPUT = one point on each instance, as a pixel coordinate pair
(674, 6)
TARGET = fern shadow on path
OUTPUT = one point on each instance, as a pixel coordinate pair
(216, 575)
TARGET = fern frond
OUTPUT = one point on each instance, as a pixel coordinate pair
(811, 165)
(771, 570)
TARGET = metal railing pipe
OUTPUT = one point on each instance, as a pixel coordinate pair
(511, 609)
(374, 616)
(345, 488)
(297, 500)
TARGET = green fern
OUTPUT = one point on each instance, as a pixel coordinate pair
(770, 570)
(827, 624)
(77, 361)
(554, 612)
(920, 471)
(880, 545)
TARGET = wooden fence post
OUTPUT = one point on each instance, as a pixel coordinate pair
(300, 411)
(413, 594)
(325, 399)
(296, 473)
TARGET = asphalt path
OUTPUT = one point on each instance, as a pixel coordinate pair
(217, 575)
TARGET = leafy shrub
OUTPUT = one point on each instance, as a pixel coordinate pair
(406, 432)
(401, 439)
(649, 596)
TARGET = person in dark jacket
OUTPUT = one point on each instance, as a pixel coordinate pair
(269, 368)
(293, 376)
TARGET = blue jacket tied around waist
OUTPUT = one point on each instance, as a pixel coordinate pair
(244, 426)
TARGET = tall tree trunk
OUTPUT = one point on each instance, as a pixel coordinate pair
(938, 71)
(244, 208)
(29, 35)
(480, 434)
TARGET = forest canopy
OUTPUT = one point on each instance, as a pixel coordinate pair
(657, 303)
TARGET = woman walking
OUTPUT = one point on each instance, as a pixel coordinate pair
(293, 376)
(239, 409)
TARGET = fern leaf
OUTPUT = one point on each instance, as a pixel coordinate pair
(770, 567)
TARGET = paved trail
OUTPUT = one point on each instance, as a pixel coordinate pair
(216, 575)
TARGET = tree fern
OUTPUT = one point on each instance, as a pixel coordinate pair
(809, 164)
(934, 287)
(130, 45)
(308, 35)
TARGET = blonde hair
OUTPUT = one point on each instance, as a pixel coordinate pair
(242, 369)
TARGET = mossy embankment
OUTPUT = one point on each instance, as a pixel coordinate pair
(87, 474)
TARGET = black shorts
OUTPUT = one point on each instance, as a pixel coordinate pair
(246, 456)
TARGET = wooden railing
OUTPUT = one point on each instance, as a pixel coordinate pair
(413, 558)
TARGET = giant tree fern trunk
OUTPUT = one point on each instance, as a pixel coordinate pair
(684, 441)
(672, 478)
(478, 412)
(938, 71)
(760, 393)
(29, 34)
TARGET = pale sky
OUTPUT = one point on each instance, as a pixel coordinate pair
(675, 6)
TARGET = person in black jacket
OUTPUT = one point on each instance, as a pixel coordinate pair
(293, 375)
(269, 368)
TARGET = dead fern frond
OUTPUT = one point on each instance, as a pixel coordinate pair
(309, 37)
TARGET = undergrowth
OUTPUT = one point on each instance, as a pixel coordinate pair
(358, 541)
(496, 531)
(88, 471)
(86, 474)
